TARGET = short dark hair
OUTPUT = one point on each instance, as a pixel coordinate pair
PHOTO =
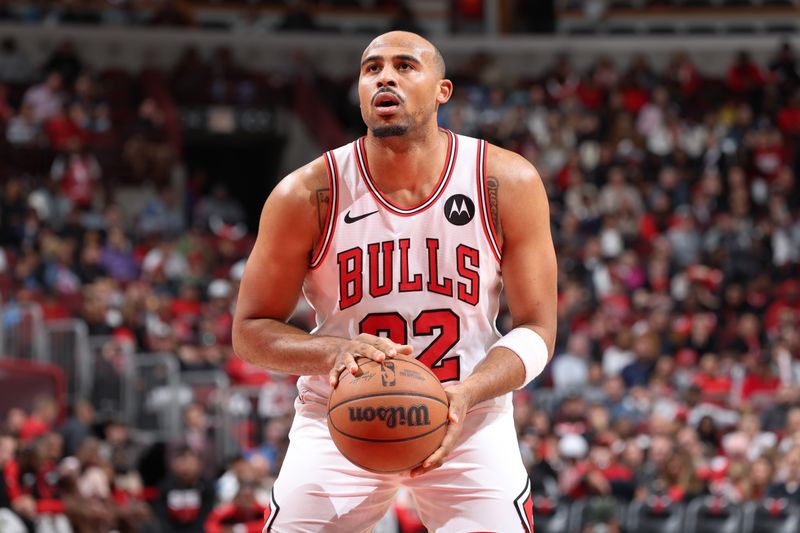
(438, 60)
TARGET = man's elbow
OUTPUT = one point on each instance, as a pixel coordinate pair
(243, 335)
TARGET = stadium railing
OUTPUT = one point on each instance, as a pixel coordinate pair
(701, 514)
(68, 342)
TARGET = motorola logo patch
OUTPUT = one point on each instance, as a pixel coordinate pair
(459, 209)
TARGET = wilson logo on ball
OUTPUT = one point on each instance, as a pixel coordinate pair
(416, 415)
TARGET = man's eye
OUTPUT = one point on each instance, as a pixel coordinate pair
(372, 68)
(404, 66)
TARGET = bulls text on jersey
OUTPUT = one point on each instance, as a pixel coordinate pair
(381, 279)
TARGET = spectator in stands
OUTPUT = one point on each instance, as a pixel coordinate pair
(78, 426)
(199, 435)
(298, 17)
(78, 172)
(758, 481)
(188, 74)
(646, 348)
(117, 256)
(146, 149)
(227, 485)
(162, 215)
(404, 19)
(13, 213)
(244, 513)
(90, 267)
(66, 62)
(41, 419)
(788, 485)
(15, 68)
(9, 520)
(65, 129)
(185, 498)
(47, 98)
(784, 66)
(172, 13)
(6, 111)
(711, 379)
(274, 445)
(218, 207)
(570, 369)
(23, 130)
(40, 494)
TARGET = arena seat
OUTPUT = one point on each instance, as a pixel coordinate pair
(597, 511)
(656, 515)
(712, 514)
(22, 381)
(549, 516)
(771, 516)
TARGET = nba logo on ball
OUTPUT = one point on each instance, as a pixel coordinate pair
(388, 376)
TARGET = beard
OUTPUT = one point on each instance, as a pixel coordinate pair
(389, 131)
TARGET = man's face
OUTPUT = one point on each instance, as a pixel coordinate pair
(400, 84)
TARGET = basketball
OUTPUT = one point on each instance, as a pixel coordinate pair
(391, 417)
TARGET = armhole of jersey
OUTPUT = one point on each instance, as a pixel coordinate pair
(483, 196)
(330, 218)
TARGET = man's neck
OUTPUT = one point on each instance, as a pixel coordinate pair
(411, 162)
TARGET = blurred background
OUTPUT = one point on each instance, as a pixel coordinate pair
(139, 139)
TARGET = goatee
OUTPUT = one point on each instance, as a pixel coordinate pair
(389, 131)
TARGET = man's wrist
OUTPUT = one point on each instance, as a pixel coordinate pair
(468, 389)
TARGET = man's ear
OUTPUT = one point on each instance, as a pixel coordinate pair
(445, 91)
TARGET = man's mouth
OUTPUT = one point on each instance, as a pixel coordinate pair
(386, 103)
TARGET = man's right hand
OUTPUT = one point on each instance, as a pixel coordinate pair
(364, 345)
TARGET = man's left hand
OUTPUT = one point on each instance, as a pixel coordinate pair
(459, 401)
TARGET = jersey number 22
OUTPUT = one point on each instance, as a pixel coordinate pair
(427, 323)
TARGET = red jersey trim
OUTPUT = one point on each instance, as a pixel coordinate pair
(444, 178)
(333, 210)
(483, 195)
(524, 506)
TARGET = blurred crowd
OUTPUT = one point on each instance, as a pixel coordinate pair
(246, 16)
(674, 203)
(676, 215)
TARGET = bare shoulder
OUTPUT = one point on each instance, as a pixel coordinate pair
(513, 187)
(303, 197)
(303, 186)
(509, 167)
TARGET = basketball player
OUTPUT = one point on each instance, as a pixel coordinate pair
(401, 242)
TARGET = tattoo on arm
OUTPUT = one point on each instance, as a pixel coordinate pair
(323, 204)
(492, 187)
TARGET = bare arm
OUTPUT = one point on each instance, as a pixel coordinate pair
(522, 217)
(272, 281)
(529, 268)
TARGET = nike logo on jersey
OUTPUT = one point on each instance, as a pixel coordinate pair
(349, 220)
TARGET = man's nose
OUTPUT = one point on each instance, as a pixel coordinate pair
(387, 78)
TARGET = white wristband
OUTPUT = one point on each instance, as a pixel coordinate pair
(529, 347)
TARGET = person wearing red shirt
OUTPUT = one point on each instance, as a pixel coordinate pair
(45, 412)
(789, 116)
(62, 131)
(761, 381)
(242, 515)
(745, 76)
(715, 386)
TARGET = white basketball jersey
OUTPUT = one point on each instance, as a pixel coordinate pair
(428, 276)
